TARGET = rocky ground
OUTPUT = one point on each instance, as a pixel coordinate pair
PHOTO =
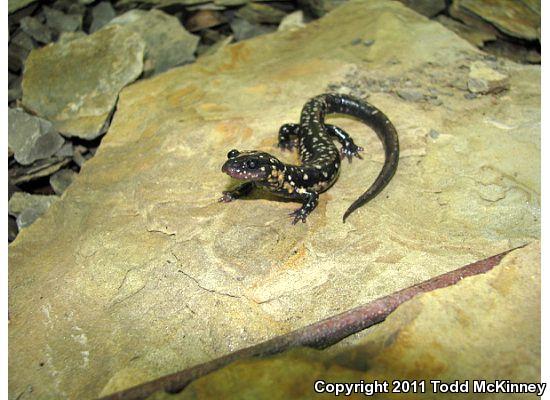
(57, 115)
(134, 270)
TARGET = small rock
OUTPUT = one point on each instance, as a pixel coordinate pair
(31, 138)
(204, 19)
(101, 15)
(211, 36)
(39, 169)
(14, 5)
(246, 30)
(261, 13)
(37, 30)
(28, 207)
(483, 79)
(167, 43)
(410, 94)
(76, 8)
(433, 134)
(61, 22)
(79, 101)
(65, 151)
(368, 42)
(292, 21)
(23, 40)
(61, 180)
(78, 156)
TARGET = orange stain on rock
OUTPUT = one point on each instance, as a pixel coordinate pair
(181, 98)
(214, 108)
(233, 129)
(296, 259)
(238, 54)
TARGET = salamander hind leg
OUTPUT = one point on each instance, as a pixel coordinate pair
(349, 148)
(288, 136)
(310, 201)
(238, 192)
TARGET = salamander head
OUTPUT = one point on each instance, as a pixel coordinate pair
(250, 165)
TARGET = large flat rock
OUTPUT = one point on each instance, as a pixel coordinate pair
(138, 271)
(486, 327)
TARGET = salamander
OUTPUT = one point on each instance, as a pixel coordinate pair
(320, 158)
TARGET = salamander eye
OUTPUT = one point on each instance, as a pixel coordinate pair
(251, 164)
(233, 153)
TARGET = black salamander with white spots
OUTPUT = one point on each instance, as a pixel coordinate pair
(320, 158)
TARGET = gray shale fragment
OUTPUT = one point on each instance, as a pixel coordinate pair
(79, 100)
(28, 207)
(61, 22)
(261, 13)
(37, 170)
(410, 95)
(31, 138)
(14, 5)
(246, 30)
(22, 39)
(101, 15)
(65, 151)
(37, 30)
(167, 43)
(61, 180)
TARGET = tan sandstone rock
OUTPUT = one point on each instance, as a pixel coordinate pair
(486, 327)
(137, 271)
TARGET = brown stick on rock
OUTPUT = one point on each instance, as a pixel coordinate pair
(318, 335)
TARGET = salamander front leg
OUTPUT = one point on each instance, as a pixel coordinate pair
(349, 148)
(239, 191)
(310, 201)
(286, 142)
